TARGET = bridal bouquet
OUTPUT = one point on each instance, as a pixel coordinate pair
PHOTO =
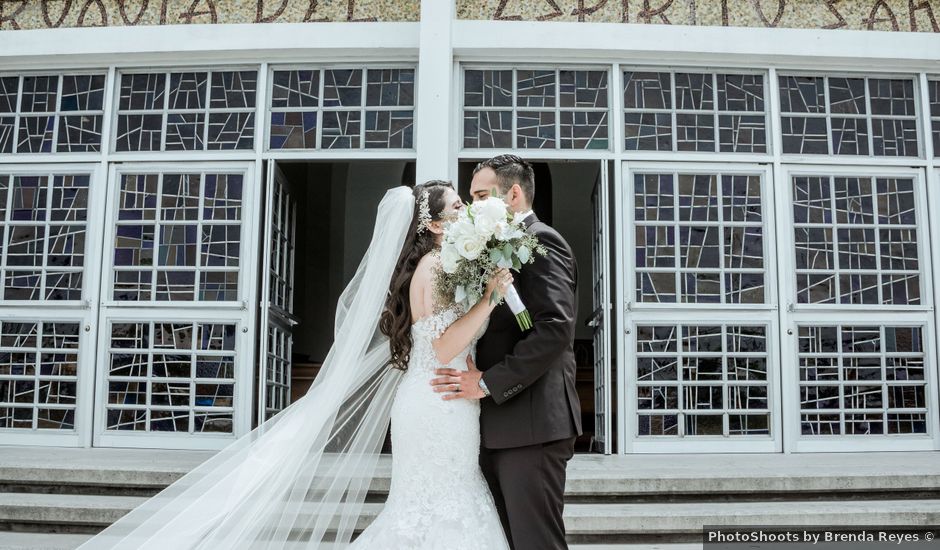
(485, 236)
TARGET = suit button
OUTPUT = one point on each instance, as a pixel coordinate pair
(505, 394)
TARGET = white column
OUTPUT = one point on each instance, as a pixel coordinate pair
(434, 113)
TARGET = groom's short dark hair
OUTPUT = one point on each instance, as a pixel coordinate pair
(511, 169)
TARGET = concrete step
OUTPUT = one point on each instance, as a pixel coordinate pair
(40, 541)
(142, 472)
(33, 511)
(53, 541)
(54, 509)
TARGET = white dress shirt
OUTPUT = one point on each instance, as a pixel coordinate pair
(522, 215)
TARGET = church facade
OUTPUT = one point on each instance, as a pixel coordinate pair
(752, 190)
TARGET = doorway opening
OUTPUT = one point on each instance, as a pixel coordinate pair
(318, 219)
(315, 235)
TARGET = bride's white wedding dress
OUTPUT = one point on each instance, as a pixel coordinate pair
(307, 469)
(438, 498)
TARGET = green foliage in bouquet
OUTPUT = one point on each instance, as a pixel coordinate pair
(484, 237)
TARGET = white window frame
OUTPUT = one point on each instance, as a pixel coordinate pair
(333, 154)
(464, 153)
(792, 314)
(635, 313)
(703, 156)
(767, 218)
(165, 110)
(57, 114)
(236, 312)
(786, 244)
(870, 158)
(84, 312)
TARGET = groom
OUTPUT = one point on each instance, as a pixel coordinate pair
(530, 415)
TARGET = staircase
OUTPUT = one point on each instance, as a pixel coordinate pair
(55, 498)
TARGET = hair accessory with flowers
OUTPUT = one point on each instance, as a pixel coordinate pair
(424, 212)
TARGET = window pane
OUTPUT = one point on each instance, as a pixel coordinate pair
(861, 379)
(711, 112)
(187, 368)
(699, 238)
(178, 250)
(187, 111)
(848, 116)
(370, 108)
(700, 380)
(855, 240)
(534, 108)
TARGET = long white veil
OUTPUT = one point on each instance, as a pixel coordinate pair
(302, 475)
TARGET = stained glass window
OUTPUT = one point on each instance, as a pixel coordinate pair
(38, 374)
(702, 380)
(854, 115)
(862, 379)
(178, 237)
(370, 108)
(692, 111)
(43, 223)
(699, 237)
(535, 109)
(171, 376)
(47, 113)
(855, 240)
(186, 111)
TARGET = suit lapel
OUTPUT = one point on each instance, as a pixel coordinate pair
(529, 221)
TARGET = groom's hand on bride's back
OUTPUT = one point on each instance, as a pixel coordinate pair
(457, 384)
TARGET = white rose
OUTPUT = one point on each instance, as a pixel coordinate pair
(462, 226)
(450, 257)
(470, 246)
(506, 231)
(467, 239)
(488, 213)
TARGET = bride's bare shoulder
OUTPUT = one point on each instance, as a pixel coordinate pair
(424, 271)
(428, 262)
(422, 285)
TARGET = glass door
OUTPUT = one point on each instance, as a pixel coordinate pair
(175, 349)
(49, 270)
(600, 318)
(277, 295)
(700, 330)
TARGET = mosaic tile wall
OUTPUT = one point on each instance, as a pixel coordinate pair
(887, 15)
(881, 15)
(43, 14)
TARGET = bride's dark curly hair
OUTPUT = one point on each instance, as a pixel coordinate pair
(395, 321)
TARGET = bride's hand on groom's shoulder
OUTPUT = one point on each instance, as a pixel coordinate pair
(456, 384)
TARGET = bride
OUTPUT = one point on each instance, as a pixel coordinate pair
(301, 479)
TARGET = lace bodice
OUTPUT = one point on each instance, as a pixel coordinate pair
(426, 329)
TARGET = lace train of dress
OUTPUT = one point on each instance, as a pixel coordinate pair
(438, 498)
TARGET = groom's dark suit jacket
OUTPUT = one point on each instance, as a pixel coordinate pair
(531, 375)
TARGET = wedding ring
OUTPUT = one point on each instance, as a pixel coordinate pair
(456, 388)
